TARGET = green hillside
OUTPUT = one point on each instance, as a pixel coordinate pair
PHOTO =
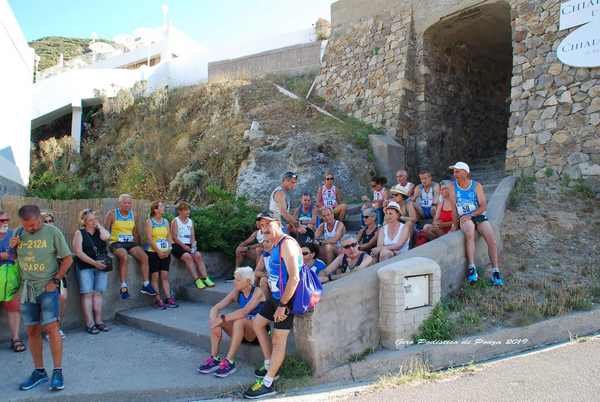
(50, 48)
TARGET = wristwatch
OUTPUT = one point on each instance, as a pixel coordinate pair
(281, 304)
(223, 317)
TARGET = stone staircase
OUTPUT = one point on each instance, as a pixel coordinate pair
(489, 172)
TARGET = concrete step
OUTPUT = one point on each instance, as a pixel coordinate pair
(210, 296)
(187, 324)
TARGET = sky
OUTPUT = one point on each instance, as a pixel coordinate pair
(213, 23)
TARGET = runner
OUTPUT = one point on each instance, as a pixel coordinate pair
(308, 219)
(426, 196)
(185, 246)
(158, 249)
(279, 201)
(261, 273)
(445, 219)
(329, 196)
(237, 324)
(350, 260)
(38, 247)
(284, 276)
(367, 235)
(393, 238)
(89, 246)
(330, 233)
(12, 307)
(380, 198)
(124, 239)
(310, 251)
(468, 197)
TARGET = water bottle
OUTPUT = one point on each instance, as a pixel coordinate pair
(194, 247)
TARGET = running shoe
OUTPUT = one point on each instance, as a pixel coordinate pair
(57, 382)
(496, 279)
(225, 369)
(171, 303)
(199, 283)
(62, 334)
(208, 282)
(211, 364)
(36, 378)
(259, 390)
(158, 304)
(124, 293)
(472, 275)
(148, 290)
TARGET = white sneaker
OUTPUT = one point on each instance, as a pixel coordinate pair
(62, 334)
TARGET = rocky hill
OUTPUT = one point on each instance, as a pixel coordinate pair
(175, 143)
(49, 49)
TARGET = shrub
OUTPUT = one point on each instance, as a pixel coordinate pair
(437, 327)
(223, 224)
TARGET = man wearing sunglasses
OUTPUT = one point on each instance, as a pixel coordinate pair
(279, 201)
(329, 196)
(350, 260)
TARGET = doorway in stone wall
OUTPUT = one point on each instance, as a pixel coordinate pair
(467, 59)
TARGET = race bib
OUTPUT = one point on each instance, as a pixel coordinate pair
(125, 238)
(162, 244)
(305, 220)
(273, 283)
(466, 209)
(330, 203)
(426, 202)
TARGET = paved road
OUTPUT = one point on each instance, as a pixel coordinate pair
(566, 373)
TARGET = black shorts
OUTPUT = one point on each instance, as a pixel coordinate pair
(479, 219)
(117, 245)
(158, 264)
(178, 251)
(268, 312)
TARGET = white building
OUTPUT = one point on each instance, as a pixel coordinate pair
(16, 82)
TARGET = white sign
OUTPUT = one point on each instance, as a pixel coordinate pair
(582, 47)
(578, 12)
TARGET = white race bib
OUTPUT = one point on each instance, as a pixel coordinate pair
(163, 244)
(125, 238)
(466, 208)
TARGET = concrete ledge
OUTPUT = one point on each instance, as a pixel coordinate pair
(328, 337)
(476, 349)
(216, 264)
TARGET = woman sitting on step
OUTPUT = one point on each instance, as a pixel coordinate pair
(394, 236)
(237, 324)
(445, 219)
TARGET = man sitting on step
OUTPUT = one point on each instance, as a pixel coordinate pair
(237, 324)
(426, 196)
(468, 197)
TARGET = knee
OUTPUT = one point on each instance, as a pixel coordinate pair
(198, 256)
(34, 330)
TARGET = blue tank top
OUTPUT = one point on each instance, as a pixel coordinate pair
(466, 199)
(277, 284)
(4, 248)
(305, 217)
(242, 301)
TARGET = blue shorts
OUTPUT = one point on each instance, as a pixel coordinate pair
(427, 212)
(45, 311)
(92, 280)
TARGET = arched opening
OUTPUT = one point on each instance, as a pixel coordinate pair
(468, 66)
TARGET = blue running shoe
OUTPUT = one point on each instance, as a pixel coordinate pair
(124, 293)
(225, 369)
(472, 275)
(36, 378)
(496, 279)
(148, 290)
(211, 364)
(57, 382)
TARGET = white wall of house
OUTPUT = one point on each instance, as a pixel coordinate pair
(16, 82)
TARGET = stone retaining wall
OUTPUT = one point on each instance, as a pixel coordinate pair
(346, 321)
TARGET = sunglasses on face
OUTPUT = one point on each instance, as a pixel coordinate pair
(306, 253)
(368, 216)
(329, 178)
(48, 221)
(4, 220)
(349, 246)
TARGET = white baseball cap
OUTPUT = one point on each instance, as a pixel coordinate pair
(393, 205)
(461, 166)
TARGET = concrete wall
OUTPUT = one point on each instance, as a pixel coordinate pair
(291, 60)
(16, 82)
(346, 320)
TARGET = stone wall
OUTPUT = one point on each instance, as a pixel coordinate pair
(449, 99)
(365, 71)
(291, 60)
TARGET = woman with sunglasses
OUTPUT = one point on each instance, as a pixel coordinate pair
(310, 251)
(329, 196)
(350, 260)
(13, 307)
(394, 235)
(367, 235)
(89, 245)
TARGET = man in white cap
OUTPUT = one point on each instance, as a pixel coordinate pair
(469, 198)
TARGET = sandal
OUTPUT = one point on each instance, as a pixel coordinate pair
(93, 330)
(103, 327)
(17, 345)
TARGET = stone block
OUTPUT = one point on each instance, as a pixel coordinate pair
(390, 156)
